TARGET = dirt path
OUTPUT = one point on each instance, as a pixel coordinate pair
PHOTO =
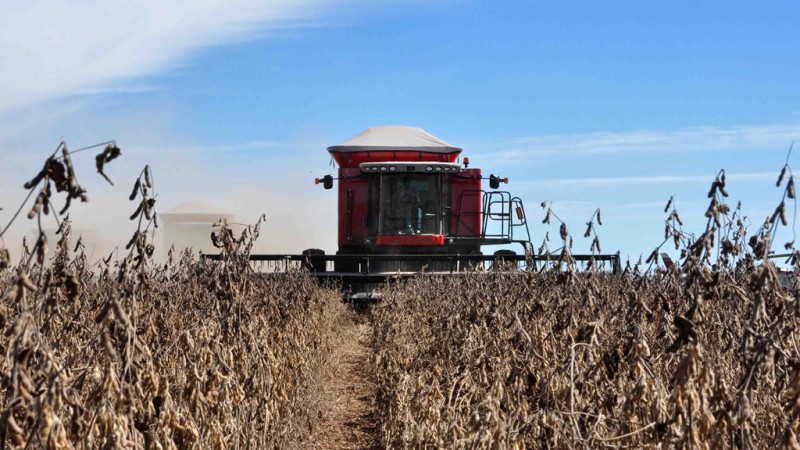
(347, 404)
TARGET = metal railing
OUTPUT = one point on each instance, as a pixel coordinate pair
(500, 216)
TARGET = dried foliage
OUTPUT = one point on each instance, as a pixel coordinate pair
(130, 354)
(509, 360)
(178, 358)
(701, 355)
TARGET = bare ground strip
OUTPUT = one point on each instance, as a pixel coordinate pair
(347, 414)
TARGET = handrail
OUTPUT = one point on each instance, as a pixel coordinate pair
(489, 211)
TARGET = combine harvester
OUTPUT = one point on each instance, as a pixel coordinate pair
(408, 208)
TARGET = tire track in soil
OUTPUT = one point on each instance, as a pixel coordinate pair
(347, 414)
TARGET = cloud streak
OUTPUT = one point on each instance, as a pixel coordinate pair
(751, 138)
(646, 180)
(59, 48)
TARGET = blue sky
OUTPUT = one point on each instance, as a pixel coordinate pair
(617, 105)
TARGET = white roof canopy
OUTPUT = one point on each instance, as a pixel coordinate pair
(394, 138)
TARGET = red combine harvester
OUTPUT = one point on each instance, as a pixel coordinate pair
(407, 207)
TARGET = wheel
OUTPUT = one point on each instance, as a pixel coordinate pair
(312, 260)
(504, 259)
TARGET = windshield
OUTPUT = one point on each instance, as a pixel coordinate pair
(411, 204)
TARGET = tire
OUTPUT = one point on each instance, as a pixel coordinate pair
(504, 259)
(312, 260)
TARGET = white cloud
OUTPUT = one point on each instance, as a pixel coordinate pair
(647, 180)
(753, 138)
(57, 48)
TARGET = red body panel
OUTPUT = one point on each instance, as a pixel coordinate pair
(466, 203)
(418, 240)
(353, 197)
(353, 159)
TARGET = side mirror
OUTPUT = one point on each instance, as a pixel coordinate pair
(494, 181)
(327, 181)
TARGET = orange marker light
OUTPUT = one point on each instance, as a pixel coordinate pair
(466, 161)
(505, 180)
(316, 180)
